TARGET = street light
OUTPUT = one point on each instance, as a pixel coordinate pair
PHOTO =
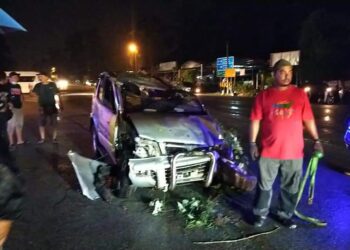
(53, 74)
(133, 50)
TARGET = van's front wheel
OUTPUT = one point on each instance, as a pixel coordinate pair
(125, 187)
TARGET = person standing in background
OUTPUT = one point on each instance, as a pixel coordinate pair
(49, 105)
(15, 124)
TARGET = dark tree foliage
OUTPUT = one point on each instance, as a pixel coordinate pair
(6, 61)
(82, 50)
(325, 47)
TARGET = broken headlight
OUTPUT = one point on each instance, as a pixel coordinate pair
(146, 148)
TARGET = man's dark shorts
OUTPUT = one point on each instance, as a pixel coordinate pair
(48, 115)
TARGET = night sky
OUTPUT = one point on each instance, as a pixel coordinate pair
(95, 33)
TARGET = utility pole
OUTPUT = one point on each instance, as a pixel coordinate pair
(227, 54)
(227, 68)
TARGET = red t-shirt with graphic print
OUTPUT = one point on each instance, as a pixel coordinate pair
(282, 113)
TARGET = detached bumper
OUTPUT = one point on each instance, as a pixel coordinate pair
(165, 173)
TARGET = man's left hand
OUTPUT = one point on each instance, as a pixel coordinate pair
(318, 147)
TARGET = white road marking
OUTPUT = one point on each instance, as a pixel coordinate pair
(78, 94)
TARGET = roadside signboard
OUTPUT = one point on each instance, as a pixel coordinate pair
(223, 63)
(167, 66)
(230, 73)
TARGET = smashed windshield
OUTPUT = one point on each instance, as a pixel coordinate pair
(148, 94)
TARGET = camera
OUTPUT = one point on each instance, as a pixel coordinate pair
(3, 101)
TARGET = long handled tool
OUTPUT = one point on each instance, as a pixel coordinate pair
(310, 172)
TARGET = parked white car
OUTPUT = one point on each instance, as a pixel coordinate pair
(27, 80)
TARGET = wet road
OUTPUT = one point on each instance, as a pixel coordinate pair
(332, 197)
(330, 119)
(57, 216)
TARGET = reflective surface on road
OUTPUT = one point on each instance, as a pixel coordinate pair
(57, 216)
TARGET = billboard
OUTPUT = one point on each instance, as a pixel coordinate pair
(291, 56)
(167, 66)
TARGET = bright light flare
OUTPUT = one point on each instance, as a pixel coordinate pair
(132, 47)
(62, 84)
(307, 89)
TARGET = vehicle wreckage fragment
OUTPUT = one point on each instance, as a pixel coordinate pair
(164, 174)
(85, 170)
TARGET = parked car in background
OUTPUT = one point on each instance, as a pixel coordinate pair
(156, 135)
(90, 82)
(323, 93)
(27, 80)
(201, 85)
(207, 84)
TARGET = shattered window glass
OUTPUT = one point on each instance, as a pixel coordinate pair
(147, 94)
(108, 98)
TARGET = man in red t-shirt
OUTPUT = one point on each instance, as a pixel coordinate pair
(280, 111)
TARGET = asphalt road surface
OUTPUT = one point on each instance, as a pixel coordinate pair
(57, 216)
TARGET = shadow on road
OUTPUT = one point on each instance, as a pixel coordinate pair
(60, 164)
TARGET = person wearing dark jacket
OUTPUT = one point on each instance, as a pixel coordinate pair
(10, 192)
(5, 112)
(10, 185)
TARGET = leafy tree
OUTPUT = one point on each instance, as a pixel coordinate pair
(6, 61)
(82, 49)
(324, 44)
(158, 33)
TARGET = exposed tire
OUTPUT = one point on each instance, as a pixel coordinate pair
(245, 181)
(102, 183)
(125, 189)
(330, 100)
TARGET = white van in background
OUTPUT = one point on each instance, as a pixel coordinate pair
(27, 80)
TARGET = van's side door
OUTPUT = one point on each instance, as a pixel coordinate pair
(106, 109)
